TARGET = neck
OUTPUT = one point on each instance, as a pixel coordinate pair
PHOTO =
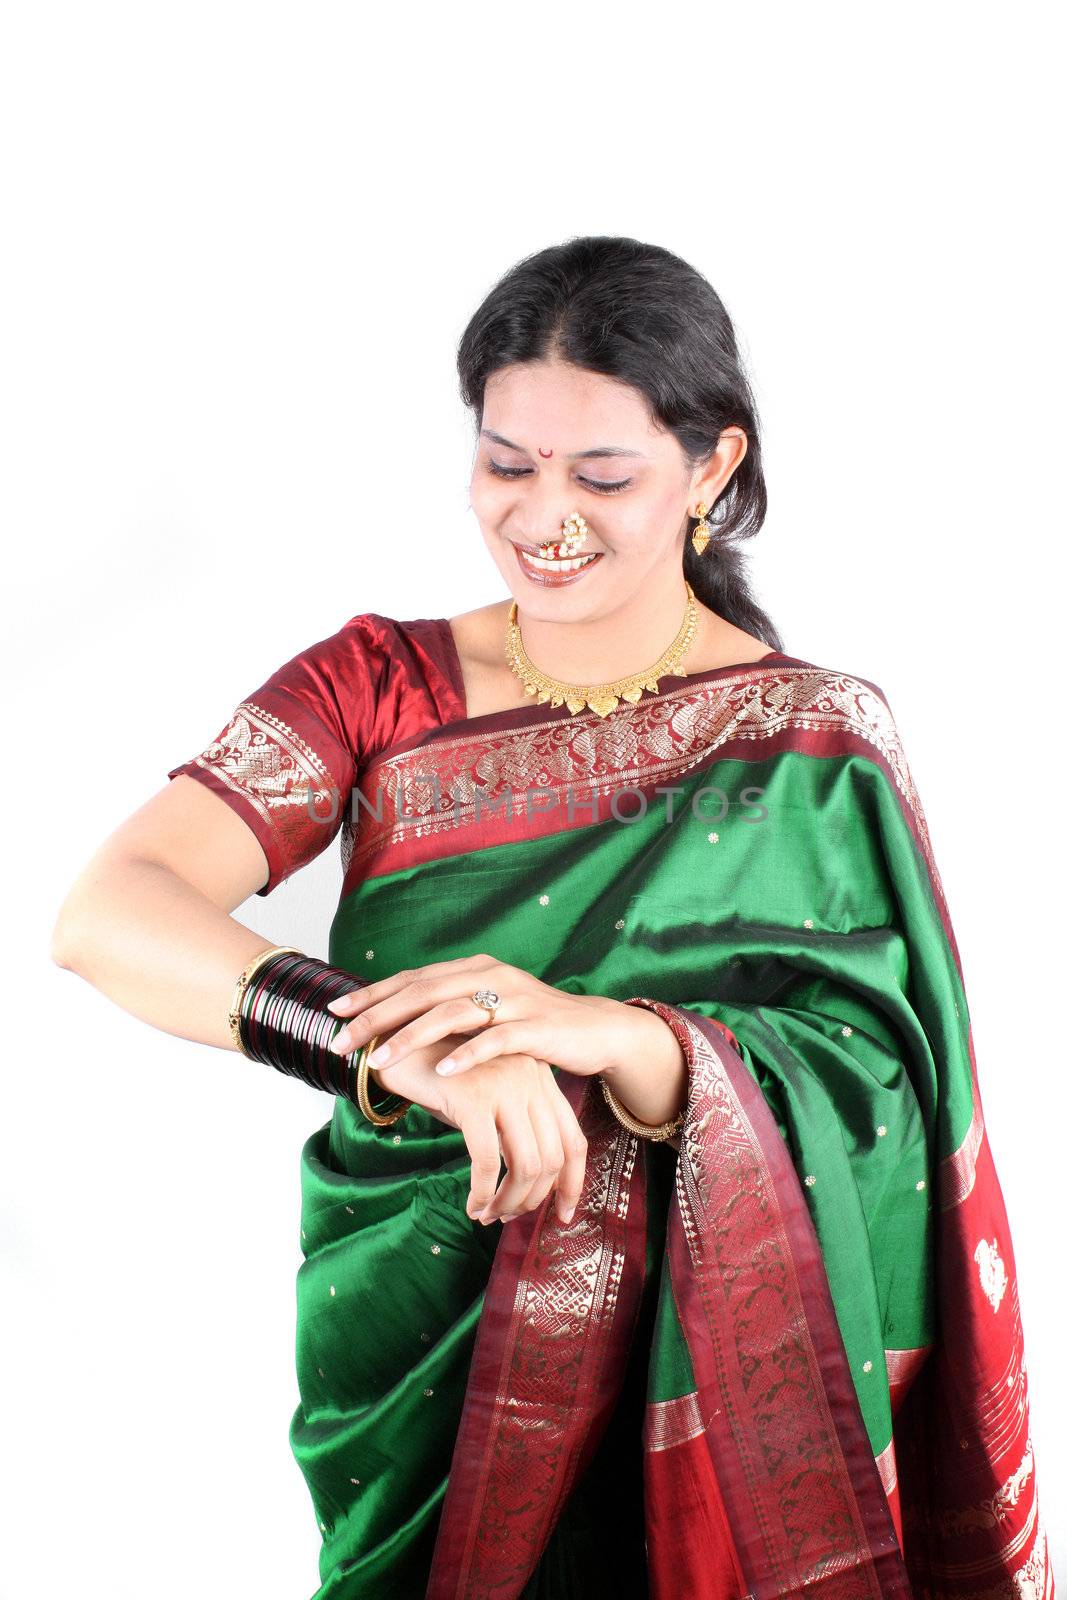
(605, 648)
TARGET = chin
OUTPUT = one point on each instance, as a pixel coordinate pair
(538, 601)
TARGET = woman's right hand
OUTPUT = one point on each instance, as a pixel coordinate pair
(511, 1106)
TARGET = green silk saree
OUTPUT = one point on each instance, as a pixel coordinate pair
(785, 1354)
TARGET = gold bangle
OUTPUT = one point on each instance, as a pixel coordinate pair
(363, 1091)
(645, 1129)
(245, 979)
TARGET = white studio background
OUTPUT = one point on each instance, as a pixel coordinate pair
(241, 244)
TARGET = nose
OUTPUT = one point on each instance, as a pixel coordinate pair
(543, 519)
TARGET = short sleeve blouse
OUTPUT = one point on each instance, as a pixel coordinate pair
(290, 753)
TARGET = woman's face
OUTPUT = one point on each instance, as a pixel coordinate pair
(557, 439)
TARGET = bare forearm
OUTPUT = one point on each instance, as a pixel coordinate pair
(648, 1071)
(158, 948)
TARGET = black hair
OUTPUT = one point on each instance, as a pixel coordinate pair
(639, 313)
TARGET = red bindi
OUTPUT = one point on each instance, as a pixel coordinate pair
(545, 453)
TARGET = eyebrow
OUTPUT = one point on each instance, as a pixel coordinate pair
(579, 455)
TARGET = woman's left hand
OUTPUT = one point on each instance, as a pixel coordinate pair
(581, 1033)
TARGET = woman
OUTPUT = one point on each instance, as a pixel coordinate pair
(740, 1317)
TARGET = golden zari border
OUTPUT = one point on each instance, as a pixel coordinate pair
(263, 759)
(428, 791)
(586, 755)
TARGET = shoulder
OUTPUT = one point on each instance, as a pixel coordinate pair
(367, 648)
(819, 709)
(364, 637)
(810, 685)
(384, 678)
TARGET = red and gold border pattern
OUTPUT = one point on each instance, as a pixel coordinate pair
(791, 1495)
(967, 1496)
(970, 1503)
(958, 1170)
(653, 741)
(782, 1423)
(547, 1366)
(261, 758)
(782, 1443)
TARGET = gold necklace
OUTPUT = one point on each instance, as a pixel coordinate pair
(599, 697)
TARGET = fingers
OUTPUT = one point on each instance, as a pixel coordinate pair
(535, 1143)
(348, 1005)
(480, 1133)
(490, 1043)
(415, 1008)
(522, 1157)
(545, 1124)
(432, 1022)
(574, 1143)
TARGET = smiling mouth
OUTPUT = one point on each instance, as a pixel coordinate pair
(556, 563)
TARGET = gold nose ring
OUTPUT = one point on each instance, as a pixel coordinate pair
(575, 533)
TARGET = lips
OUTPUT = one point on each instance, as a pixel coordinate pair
(547, 578)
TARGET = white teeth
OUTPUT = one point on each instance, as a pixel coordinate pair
(557, 566)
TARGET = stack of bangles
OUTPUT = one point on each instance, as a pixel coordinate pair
(278, 1016)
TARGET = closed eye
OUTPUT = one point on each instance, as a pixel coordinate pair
(589, 483)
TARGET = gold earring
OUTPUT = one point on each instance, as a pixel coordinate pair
(702, 531)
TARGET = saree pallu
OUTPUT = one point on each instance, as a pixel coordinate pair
(786, 1354)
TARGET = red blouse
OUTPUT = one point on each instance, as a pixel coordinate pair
(292, 751)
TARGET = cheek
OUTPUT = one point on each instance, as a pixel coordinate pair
(489, 500)
(626, 523)
(647, 524)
